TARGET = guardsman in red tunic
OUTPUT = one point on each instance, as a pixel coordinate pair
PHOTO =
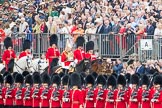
(156, 101)
(67, 57)
(1, 92)
(100, 93)
(89, 51)
(36, 90)
(18, 91)
(55, 92)
(120, 93)
(52, 51)
(89, 92)
(145, 92)
(9, 92)
(66, 102)
(76, 95)
(27, 91)
(9, 53)
(26, 49)
(45, 95)
(134, 92)
(110, 102)
(79, 53)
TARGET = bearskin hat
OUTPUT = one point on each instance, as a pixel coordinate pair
(158, 80)
(46, 79)
(82, 79)
(65, 80)
(115, 74)
(80, 41)
(9, 79)
(29, 79)
(53, 39)
(121, 80)
(26, 45)
(90, 80)
(14, 75)
(135, 79)
(101, 80)
(75, 80)
(128, 78)
(56, 80)
(5, 74)
(89, 46)
(145, 80)
(112, 81)
(94, 74)
(8, 42)
(37, 79)
(1, 79)
(25, 73)
(19, 78)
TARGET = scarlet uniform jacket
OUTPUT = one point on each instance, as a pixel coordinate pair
(67, 103)
(23, 54)
(109, 104)
(18, 102)
(9, 96)
(90, 56)
(79, 55)
(45, 97)
(52, 53)
(36, 92)
(27, 100)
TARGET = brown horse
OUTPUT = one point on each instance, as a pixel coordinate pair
(101, 66)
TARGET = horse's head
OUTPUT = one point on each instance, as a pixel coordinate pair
(29, 64)
(42, 64)
(84, 66)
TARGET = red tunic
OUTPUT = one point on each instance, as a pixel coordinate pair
(89, 98)
(76, 96)
(45, 96)
(64, 60)
(109, 99)
(27, 101)
(122, 103)
(79, 55)
(100, 103)
(158, 98)
(24, 53)
(145, 99)
(55, 98)
(9, 96)
(36, 97)
(18, 96)
(66, 102)
(7, 56)
(2, 96)
(90, 56)
(51, 54)
(134, 94)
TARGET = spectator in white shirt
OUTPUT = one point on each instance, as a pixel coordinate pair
(23, 26)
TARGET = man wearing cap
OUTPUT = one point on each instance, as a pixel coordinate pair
(110, 102)
(8, 92)
(45, 96)
(89, 92)
(66, 102)
(76, 95)
(9, 53)
(156, 100)
(52, 51)
(100, 92)
(26, 48)
(120, 93)
(18, 93)
(67, 57)
(89, 51)
(27, 100)
(79, 53)
(134, 92)
(145, 92)
(55, 93)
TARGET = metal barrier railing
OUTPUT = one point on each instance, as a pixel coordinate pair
(106, 45)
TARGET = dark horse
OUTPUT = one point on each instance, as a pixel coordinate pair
(84, 66)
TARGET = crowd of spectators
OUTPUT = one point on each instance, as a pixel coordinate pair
(133, 18)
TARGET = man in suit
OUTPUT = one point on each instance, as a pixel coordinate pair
(149, 29)
(100, 27)
(140, 68)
